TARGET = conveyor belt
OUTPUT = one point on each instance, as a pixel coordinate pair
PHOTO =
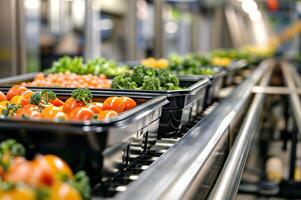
(178, 173)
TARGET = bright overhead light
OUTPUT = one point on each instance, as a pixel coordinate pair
(249, 6)
(255, 16)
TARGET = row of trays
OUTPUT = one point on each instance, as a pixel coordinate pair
(102, 147)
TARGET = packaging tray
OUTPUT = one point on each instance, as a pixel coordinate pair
(95, 146)
(183, 104)
(232, 71)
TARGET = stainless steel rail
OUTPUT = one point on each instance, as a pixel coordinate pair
(228, 182)
(178, 169)
(293, 97)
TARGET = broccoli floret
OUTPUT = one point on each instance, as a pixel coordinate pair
(140, 72)
(42, 97)
(82, 94)
(123, 82)
(151, 83)
(168, 80)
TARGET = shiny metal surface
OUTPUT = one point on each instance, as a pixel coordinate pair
(294, 99)
(227, 184)
(176, 172)
(275, 90)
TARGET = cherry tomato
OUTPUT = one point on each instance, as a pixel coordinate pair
(57, 165)
(81, 114)
(15, 90)
(26, 97)
(71, 104)
(2, 97)
(114, 103)
(50, 112)
(63, 191)
(57, 102)
(128, 103)
(94, 108)
(106, 114)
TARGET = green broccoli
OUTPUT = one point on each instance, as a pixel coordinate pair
(123, 82)
(82, 94)
(140, 72)
(10, 149)
(151, 83)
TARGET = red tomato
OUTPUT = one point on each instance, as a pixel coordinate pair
(113, 103)
(81, 114)
(128, 103)
(15, 90)
(106, 114)
(2, 97)
(57, 102)
(94, 108)
(71, 104)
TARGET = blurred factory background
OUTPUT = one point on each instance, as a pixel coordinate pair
(36, 32)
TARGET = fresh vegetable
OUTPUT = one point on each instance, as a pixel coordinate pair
(157, 64)
(145, 78)
(106, 114)
(46, 105)
(128, 103)
(14, 91)
(70, 80)
(114, 103)
(96, 67)
(190, 65)
(2, 96)
(45, 177)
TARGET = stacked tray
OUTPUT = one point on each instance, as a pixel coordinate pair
(95, 146)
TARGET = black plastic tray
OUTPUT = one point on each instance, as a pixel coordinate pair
(183, 104)
(95, 146)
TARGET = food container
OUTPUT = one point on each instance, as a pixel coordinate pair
(183, 104)
(99, 147)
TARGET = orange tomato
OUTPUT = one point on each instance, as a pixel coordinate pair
(30, 111)
(50, 112)
(81, 114)
(15, 90)
(26, 97)
(113, 103)
(94, 108)
(106, 114)
(2, 97)
(71, 104)
(56, 165)
(128, 103)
